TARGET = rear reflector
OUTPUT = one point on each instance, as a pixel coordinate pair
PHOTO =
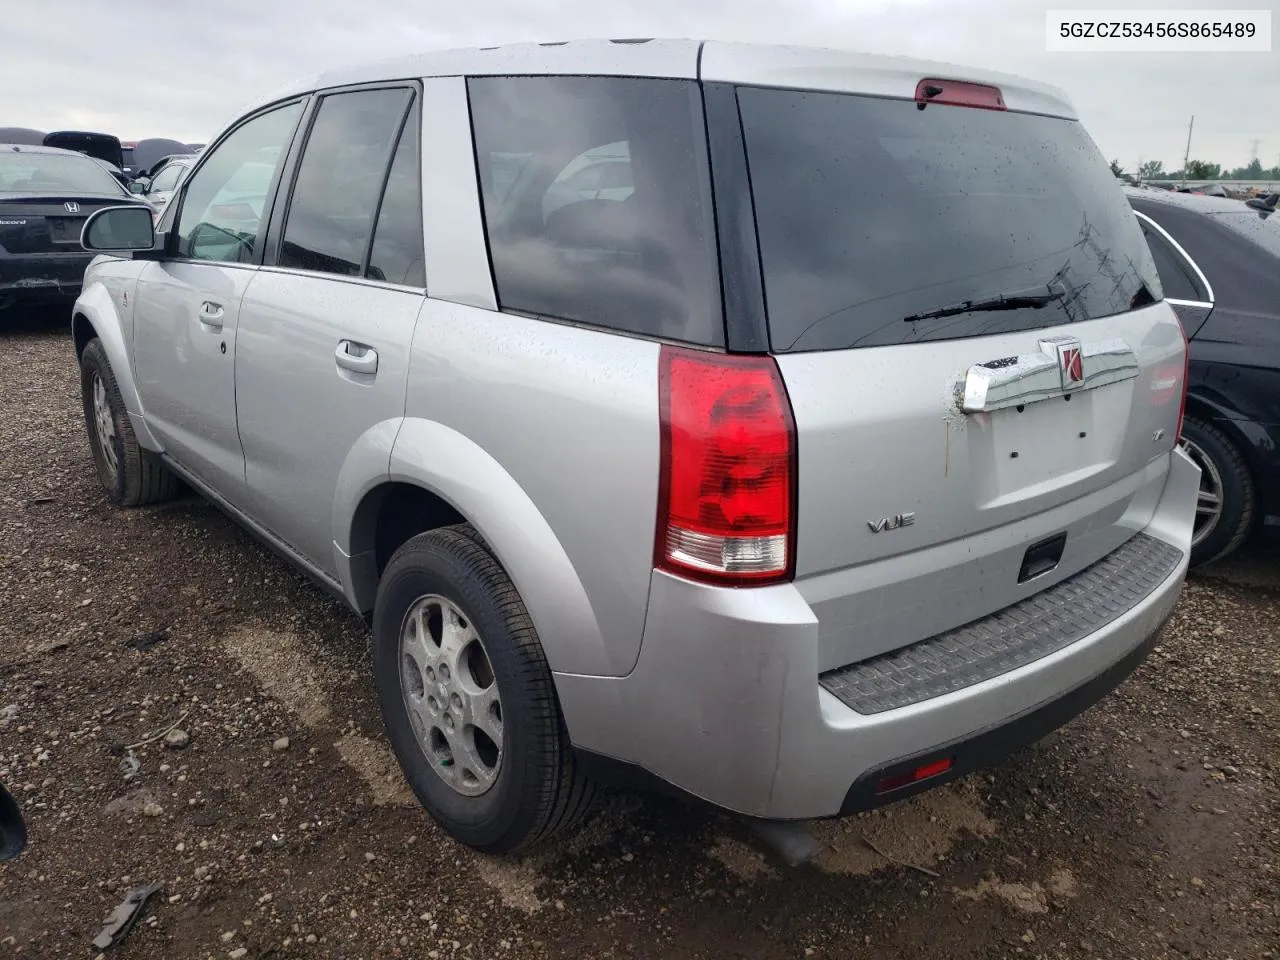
(957, 93)
(726, 498)
(924, 772)
(1186, 376)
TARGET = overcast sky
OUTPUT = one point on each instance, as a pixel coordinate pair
(182, 69)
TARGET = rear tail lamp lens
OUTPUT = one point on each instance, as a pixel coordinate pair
(727, 492)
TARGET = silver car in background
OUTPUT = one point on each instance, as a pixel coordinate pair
(814, 446)
(157, 190)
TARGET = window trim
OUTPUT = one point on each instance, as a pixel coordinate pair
(280, 212)
(179, 200)
(1195, 267)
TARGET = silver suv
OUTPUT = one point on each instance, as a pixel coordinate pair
(791, 428)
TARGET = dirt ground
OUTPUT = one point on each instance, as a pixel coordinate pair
(1150, 827)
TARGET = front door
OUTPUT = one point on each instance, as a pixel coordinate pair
(188, 304)
(325, 328)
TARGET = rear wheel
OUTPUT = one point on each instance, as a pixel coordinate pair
(1226, 505)
(131, 475)
(467, 696)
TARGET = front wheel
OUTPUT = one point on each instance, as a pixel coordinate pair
(1226, 504)
(131, 475)
(467, 696)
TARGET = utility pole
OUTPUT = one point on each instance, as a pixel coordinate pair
(1186, 157)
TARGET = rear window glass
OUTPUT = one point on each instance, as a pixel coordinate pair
(54, 173)
(871, 211)
(597, 202)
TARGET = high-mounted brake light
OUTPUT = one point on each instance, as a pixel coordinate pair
(959, 93)
(727, 488)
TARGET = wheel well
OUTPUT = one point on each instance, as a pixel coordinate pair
(1206, 413)
(82, 330)
(392, 513)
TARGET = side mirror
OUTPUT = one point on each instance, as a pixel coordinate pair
(119, 229)
(137, 187)
(13, 832)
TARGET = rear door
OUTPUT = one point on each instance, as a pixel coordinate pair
(188, 304)
(325, 328)
(968, 324)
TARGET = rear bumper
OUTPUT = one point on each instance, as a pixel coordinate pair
(54, 276)
(725, 701)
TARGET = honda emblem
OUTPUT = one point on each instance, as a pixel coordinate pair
(71, 206)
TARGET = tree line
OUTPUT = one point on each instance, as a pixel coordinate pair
(1200, 170)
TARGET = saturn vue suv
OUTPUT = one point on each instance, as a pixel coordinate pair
(827, 452)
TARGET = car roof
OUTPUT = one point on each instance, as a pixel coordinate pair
(40, 148)
(1194, 202)
(809, 68)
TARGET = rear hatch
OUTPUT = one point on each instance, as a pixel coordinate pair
(970, 329)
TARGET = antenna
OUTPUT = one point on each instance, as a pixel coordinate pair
(1253, 150)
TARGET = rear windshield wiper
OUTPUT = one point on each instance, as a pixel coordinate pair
(1034, 297)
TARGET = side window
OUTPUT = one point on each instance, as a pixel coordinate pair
(597, 202)
(1176, 275)
(335, 195)
(167, 178)
(223, 205)
(397, 239)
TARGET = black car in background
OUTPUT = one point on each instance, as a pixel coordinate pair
(46, 194)
(1219, 263)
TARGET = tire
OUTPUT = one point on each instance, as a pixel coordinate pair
(536, 790)
(1224, 474)
(131, 475)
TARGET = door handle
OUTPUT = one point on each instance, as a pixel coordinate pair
(211, 314)
(356, 357)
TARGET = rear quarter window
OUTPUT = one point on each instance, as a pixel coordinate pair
(597, 202)
(1176, 274)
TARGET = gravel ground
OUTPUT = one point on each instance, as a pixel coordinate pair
(279, 825)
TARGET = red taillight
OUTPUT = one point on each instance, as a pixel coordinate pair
(957, 93)
(924, 772)
(726, 498)
(1186, 375)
